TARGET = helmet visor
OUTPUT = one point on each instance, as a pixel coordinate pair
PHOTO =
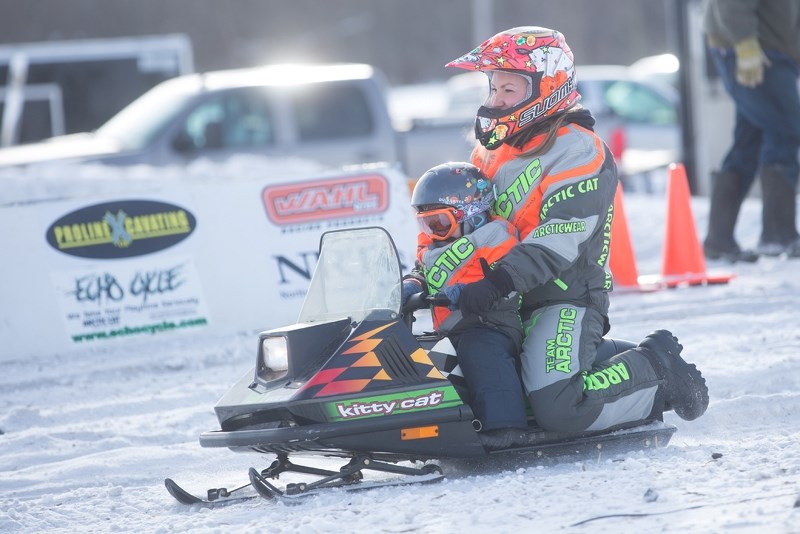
(438, 224)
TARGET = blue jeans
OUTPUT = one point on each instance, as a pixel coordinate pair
(488, 360)
(767, 128)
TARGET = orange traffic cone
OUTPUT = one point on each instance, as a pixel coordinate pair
(683, 261)
(622, 261)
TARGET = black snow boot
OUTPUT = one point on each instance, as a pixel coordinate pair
(726, 200)
(778, 228)
(684, 388)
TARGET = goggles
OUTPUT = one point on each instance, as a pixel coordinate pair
(438, 224)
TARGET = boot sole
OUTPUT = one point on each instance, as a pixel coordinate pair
(692, 381)
(688, 379)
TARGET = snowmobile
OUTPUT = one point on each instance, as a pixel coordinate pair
(351, 379)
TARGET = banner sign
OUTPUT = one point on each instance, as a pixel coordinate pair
(130, 298)
(120, 229)
(185, 258)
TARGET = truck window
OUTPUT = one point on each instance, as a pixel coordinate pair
(638, 103)
(330, 112)
(236, 119)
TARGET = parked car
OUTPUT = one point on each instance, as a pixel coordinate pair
(335, 115)
(637, 117)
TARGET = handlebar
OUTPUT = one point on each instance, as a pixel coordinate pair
(419, 301)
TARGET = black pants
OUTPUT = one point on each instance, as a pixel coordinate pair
(488, 361)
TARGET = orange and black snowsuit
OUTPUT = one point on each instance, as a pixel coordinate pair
(561, 203)
(487, 346)
(458, 261)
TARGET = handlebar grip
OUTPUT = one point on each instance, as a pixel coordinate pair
(439, 299)
(419, 301)
(415, 302)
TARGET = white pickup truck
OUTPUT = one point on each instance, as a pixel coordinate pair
(336, 115)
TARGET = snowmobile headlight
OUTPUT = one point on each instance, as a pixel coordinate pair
(274, 358)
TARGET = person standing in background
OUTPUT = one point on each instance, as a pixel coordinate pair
(755, 45)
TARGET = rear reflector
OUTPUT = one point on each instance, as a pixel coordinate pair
(420, 432)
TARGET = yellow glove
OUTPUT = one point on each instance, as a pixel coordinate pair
(750, 62)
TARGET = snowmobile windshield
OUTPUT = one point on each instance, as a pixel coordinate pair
(358, 272)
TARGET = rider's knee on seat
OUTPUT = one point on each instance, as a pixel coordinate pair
(549, 414)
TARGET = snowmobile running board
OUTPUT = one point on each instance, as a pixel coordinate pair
(650, 436)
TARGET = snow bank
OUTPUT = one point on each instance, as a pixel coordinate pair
(88, 436)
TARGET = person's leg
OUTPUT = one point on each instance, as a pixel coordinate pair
(567, 391)
(725, 203)
(730, 184)
(570, 392)
(778, 158)
(773, 107)
(779, 212)
(742, 157)
(487, 360)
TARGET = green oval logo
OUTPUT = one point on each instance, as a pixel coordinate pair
(120, 229)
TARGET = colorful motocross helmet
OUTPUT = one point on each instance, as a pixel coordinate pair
(450, 196)
(544, 58)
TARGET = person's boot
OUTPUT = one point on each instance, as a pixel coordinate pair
(778, 211)
(684, 388)
(726, 200)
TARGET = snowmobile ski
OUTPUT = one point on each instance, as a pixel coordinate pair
(295, 492)
(216, 496)
(349, 477)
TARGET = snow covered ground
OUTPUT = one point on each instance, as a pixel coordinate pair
(87, 438)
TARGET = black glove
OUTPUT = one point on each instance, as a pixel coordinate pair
(478, 297)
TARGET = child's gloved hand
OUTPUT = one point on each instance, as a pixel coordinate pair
(410, 287)
(750, 62)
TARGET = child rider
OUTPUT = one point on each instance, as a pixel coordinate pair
(453, 202)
